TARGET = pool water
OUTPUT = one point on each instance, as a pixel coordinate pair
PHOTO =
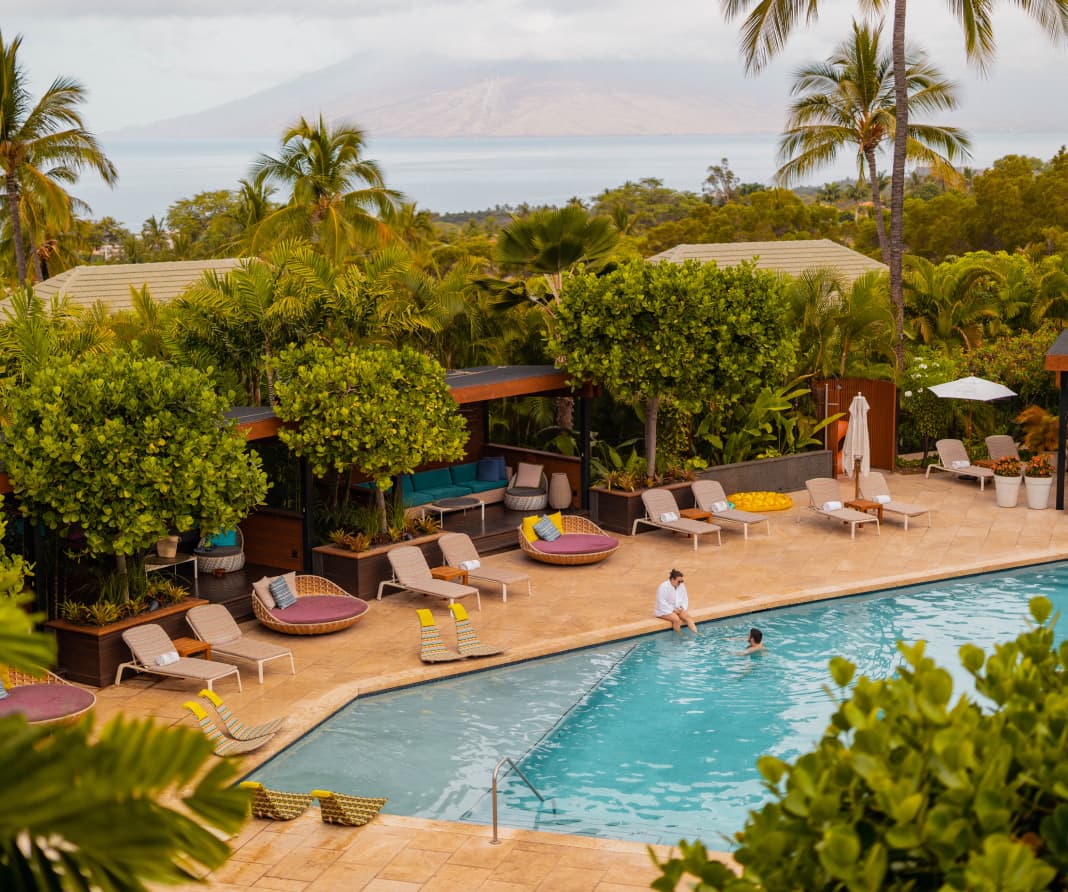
(651, 739)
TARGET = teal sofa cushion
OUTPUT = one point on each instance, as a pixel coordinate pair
(427, 480)
(464, 475)
(485, 485)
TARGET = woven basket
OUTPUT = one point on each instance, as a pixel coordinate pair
(308, 586)
(228, 563)
(573, 523)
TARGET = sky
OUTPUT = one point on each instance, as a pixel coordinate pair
(145, 60)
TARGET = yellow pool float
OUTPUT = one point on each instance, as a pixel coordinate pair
(761, 501)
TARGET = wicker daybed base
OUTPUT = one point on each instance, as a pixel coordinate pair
(573, 523)
(309, 586)
(25, 682)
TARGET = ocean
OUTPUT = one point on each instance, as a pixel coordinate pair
(475, 173)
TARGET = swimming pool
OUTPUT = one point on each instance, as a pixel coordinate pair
(650, 739)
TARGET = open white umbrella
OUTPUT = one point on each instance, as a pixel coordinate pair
(971, 388)
(856, 450)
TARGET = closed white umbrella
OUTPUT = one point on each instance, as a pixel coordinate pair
(856, 450)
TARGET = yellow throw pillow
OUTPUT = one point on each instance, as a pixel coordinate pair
(528, 527)
(557, 520)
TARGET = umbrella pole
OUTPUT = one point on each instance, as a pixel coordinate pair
(856, 478)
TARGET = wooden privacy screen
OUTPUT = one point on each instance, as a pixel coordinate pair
(835, 394)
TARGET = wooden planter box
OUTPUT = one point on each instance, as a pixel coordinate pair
(359, 573)
(91, 654)
(616, 510)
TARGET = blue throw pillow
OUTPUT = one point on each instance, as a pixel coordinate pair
(283, 597)
(3, 691)
(546, 529)
(487, 470)
(227, 539)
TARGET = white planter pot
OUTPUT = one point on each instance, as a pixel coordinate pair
(1038, 491)
(1007, 491)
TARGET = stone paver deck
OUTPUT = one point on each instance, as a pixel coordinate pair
(572, 607)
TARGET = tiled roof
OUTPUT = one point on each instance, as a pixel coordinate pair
(790, 257)
(111, 283)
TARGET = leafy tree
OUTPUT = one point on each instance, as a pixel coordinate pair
(946, 308)
(769, 24)
(928, 415)
(722, 183)
(379, 411)
(37, 137)
(204, 225)
(909, 790)
(849, 100)
(691, 333)
(337, 197)
(129, 449)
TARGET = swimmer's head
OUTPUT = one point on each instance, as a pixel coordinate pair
(755, 636)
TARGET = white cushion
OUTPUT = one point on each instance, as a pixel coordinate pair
(720, 506)
(960, 463)
(528, 476)
(882, 499)
(165, 659)
(668, 517)
(833, 505)
(262, 590)
(470, 565)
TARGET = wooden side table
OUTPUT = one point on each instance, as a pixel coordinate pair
(449, 574)
(190, 647)
(696, 514)
(867, 506)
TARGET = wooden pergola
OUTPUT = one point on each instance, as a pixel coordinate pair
(1057, 361)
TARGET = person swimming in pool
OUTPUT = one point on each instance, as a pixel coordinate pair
(755, 642)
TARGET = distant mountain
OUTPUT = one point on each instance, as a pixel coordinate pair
(444, 98)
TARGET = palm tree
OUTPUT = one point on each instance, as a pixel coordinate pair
(335, 192)
(768, 26)
(849, 100)
(947, 304)
(42, 144)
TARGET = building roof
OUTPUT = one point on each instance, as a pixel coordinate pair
(790, 257)
(110, 283)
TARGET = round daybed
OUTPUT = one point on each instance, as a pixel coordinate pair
(321, 607)
(582, 542)
(45, 698)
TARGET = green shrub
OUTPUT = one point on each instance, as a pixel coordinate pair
(911, 790)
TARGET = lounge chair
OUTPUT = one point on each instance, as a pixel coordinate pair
(709, 496)
(467, 638)
(431, 648)
(953, 459)
(43, 698)
(528, 489)
(411, 572)
(1001, 446)
(322, 607)
(826, 500)
(274, 805)
(239, 730)
(660, 504)
(352, 811)
(873, 487)
(148, 643)
(458, 549)
(214, 624)
(224, 746)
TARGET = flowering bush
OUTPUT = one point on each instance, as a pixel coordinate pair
(1039, 466)
(1007, 467)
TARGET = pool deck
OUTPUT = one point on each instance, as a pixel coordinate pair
(571, 607)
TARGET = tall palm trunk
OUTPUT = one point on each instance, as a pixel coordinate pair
(877, 204)
(16, 227)
(652, 409)
(897, 184)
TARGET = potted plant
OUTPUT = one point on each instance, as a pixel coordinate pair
(1007, 479)
(1038, 479)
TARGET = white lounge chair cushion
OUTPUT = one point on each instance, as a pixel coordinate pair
(882, 499)
(165, 659)
(470, 565)
(720, 506)
(669, 517)
(833, 505)
(960, 463)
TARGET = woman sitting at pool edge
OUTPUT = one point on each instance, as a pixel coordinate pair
(673, 602)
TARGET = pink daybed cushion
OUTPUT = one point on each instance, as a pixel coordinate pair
(45, 702)
(576, 543)
(320, 609)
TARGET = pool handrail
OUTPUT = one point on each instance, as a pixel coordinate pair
(496, 770)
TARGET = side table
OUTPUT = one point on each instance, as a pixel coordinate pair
(696, 514)
(867, 506)
(449, 574)
(190, 647)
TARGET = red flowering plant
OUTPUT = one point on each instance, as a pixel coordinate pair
(1039, 466)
